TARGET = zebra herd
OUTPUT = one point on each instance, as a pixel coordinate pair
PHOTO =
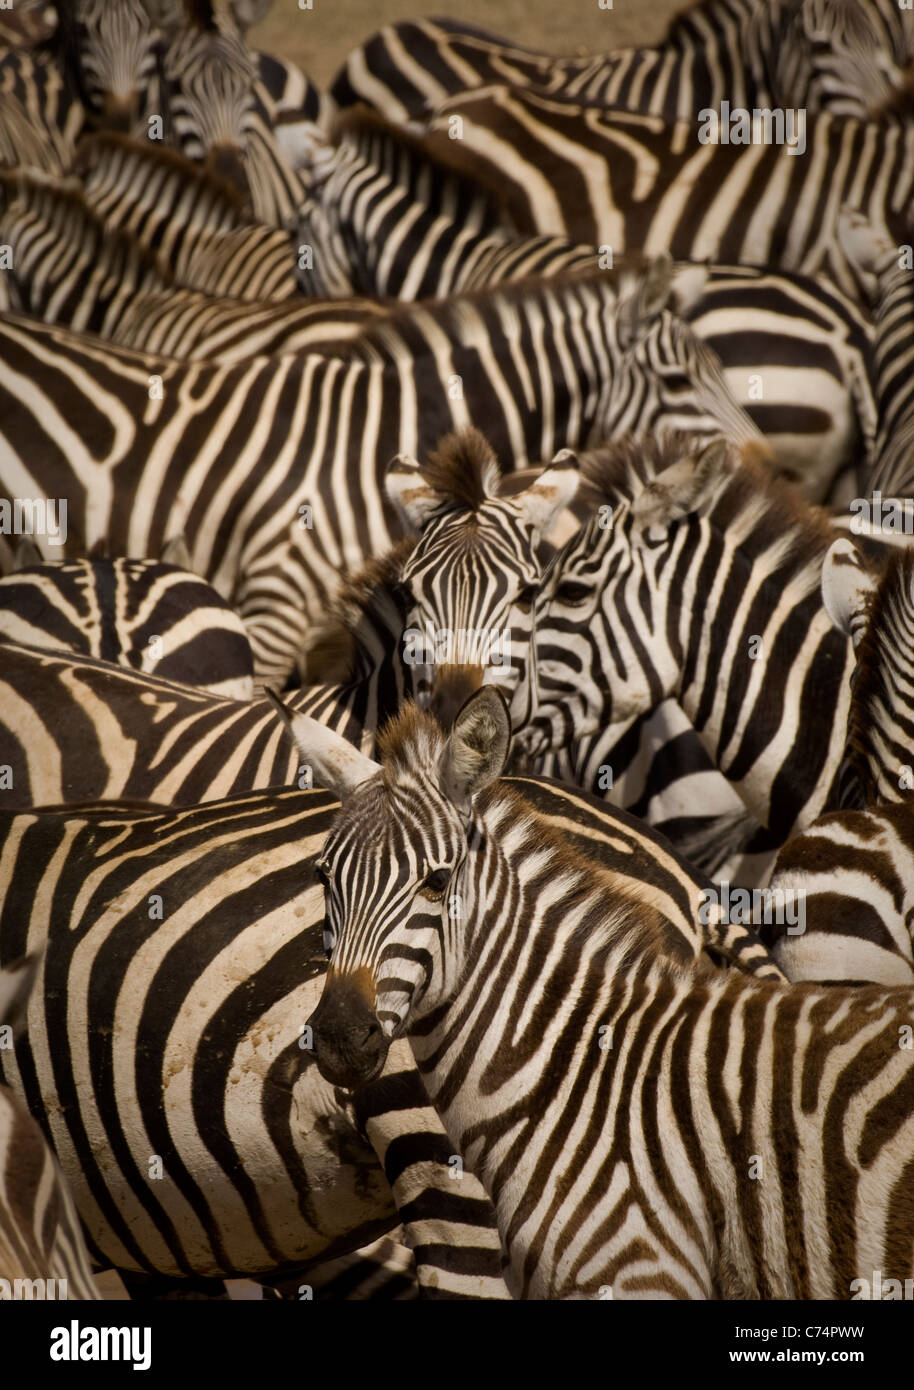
(457, 659)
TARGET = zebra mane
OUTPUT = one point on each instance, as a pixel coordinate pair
(411, 744)
(93, 150)
(111, 247)
(748, 497)
(876, 676)
(463, 469)
(333, 652)
(400, 329)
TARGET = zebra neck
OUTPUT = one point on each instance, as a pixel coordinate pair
(760, 623)
(538, 912)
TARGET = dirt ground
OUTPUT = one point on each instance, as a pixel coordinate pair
(319, 39)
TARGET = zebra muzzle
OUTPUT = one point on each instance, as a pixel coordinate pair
(451, 688)
(350, 1047)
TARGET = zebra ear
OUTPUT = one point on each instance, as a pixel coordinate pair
(247, 13)
(476, 752)
(27, 553)
(16, 983)
(555, 488)
(335, 763)
(680, 489)
(176, 552)
(847, 587)
(638, 310)
(411, 495)
(164, 14)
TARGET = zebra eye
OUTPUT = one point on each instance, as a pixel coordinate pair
(329, 936)
(434, 884)
(572, 593)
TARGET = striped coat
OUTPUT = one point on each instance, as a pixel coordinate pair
(643, 1130)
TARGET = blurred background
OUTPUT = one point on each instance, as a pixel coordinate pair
(320, 39)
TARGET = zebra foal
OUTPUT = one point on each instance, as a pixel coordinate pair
(644, 1130)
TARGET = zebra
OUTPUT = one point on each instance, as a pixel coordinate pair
(42, 1251)
(194, 224)
(75, 729)
(743, 51)
(180, 71)
(853, 865)
(267, 511)
(801, 342)
(557, 1043)
(383, 219)
(699, 582)
(40, 117)
(471, 580)
(215, 110)
(860, 55)
(853, 871)
(881, 264)
(155, 617)
(108, 51)
(105, 282)
(681, 188)
(32, 23)
(185, 1066)
(196, 1135)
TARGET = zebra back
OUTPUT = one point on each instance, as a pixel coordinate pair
(154, 617)
(195, 224)
(76, 729)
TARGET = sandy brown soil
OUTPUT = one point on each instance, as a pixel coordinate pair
(319, 39)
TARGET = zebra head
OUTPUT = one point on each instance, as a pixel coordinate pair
(208, 77)
(857, 55)
(112, 49)
(665, 375)
(604, 654)
(472, 579)
(877, 613)
(396, 903)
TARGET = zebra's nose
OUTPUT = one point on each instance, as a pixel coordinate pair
(452, 687)
(349, 1044)
(120, 112)
(226, 163)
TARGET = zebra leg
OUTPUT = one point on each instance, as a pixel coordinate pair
(447, 1217)
(384, 1271)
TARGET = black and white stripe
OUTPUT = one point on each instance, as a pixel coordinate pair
(195, 225)
(757, 204)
